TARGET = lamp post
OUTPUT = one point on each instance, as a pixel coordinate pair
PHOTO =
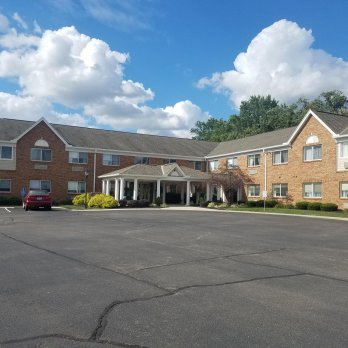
(86, 193)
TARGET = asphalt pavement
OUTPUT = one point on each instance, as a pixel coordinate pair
(162, 278)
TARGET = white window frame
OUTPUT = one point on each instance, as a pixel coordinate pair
(281, 155)
(342, 146)
(77, 159)
(213, 165)
(253, 194)
(78, 189)
(107, 162)
(40, 188)
(311, 157)
(41, 150)
(232, 162)
(312, 192)
(10, 181)
(169, 160)
(141, 160)
(3, 158)
(345, 194)
(252, 158)
(282, 187)
(197, 165)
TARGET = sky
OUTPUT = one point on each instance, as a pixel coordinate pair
(159, 66)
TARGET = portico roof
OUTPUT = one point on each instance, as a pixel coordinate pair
(170, 171)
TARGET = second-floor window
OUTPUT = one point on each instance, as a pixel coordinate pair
(344, 150)
(280, 157)
(169, 160)
(141, 160)
(43, 155)
(312, 153)
(232, 162)
(111, 160)
(78, 157)
(254, 160)
(214, 165)
(5, 152)
(197, 165)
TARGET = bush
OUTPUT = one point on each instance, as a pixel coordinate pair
(102, 200)
(301, 205)
(158, 201)
(10, 200)
(329, 207)
(211, 205)
(80, 199)
(251, 204)
(144, 203)
(271, 203)
(122, 203)
(284, 205)
(314, 206)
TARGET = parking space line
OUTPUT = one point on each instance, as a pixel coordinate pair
(8, 209)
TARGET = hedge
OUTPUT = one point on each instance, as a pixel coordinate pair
(329, 207)
(102, 200)
(314, 206)
(301, 205)
(81, 199)
(10, 200)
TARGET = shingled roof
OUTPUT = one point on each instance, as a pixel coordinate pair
(336, 122)
(114, 140)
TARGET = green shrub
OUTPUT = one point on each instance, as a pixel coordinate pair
(329, 207)
(102, 200)
(251, 204)
(314, 206)
(158, 201)
(80, 199)
(211, 205)
(301, 205)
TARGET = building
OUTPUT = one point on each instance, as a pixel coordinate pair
(307, 162)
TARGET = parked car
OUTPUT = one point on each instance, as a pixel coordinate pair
(37, 199)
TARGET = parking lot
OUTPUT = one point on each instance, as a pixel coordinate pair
(160, 278)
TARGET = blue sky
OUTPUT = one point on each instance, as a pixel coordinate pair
(175, 60)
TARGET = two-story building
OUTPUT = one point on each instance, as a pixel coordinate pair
(307, 162)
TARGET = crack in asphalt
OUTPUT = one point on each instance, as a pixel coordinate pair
(102, 321)
(221, 257)
(71, 338)
(84, 262)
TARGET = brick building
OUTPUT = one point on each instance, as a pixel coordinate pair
(307, 162)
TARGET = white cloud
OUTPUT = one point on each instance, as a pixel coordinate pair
(20, 21)
(37, 28)
(4, 23)
(281, 62)
(66, 68)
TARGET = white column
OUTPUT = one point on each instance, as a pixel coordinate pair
(103, 186)
(223, 196)
(164, 193)
(158, 191)
(135, 189)
(108, 187)
(182, 193)
(117, 189)
(208, 191)
(188, 192)
(121, 188)
(218, 193)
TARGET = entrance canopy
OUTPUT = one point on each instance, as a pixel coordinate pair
(175, 176)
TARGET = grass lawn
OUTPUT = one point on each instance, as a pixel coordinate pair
(336, 214)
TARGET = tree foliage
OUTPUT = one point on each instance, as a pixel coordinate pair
(262, 114)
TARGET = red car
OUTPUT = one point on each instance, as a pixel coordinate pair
(37, 199)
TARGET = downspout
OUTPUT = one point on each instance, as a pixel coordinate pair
(264, 194)
(94, 169)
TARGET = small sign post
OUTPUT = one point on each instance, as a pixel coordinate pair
(264, 196)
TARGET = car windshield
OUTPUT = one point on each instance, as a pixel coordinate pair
(38, 193)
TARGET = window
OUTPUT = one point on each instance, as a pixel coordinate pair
(169, 160)
(44, 155)
(41, 185)
(344, 150)
(5, 152)
(141, 160)
(312, 153)
(5, 185)
(232, 162)
(280, 157)
(111, 160)
(214, 165)
(254, 160)
(76, 187)
(312, 190)
(344, 189)
(78, 157)
(197, 165)
(253, 190)
(280, 190)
